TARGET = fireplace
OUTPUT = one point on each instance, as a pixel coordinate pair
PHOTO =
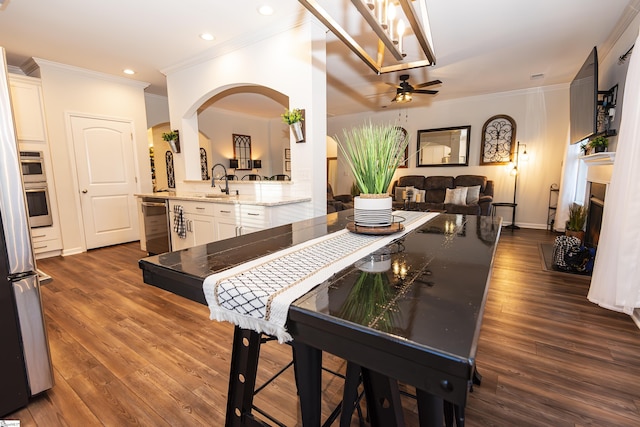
(594, 218)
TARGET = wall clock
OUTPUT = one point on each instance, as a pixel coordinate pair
(498, 134)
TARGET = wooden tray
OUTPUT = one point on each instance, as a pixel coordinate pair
(376, 231)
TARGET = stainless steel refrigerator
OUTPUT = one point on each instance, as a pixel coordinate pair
(25, 362)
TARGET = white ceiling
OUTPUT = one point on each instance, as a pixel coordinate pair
(481, 46)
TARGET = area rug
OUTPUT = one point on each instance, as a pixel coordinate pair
(546, 260)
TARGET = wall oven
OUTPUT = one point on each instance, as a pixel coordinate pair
(32, 166)
(38, 204)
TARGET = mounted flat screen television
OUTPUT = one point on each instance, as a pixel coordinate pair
(583, 106)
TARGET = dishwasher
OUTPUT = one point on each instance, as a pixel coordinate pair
(156, 225)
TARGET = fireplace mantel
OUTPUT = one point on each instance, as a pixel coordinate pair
(597, 159)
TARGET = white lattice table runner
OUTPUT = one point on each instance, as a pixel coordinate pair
(257, 294)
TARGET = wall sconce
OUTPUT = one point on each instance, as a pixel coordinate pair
(233, 163)
(389, 20)
(256, 164)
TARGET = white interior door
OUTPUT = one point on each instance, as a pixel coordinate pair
(106, 179)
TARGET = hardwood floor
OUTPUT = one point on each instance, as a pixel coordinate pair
(125, 353)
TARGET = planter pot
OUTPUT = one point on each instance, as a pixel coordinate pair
(578, 234)
(377, 262)
(175, 146)
(372, 210)
(298, 134)
(599, 149)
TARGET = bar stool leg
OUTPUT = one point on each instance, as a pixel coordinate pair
(350, 393)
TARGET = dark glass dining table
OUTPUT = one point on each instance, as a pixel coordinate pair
(410, 312)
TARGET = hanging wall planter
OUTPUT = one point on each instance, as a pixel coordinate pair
(295, 118)
(173, 139)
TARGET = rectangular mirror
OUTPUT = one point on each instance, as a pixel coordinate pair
(444, 146)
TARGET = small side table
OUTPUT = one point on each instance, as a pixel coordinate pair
(513, 225)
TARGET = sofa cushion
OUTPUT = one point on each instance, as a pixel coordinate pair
(473, 194)
(416, 181)
(438, 183)
(456, 196)
(471, 180)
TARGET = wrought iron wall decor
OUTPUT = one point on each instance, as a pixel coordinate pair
(171, 177)
(405, 159)
(204, 169)
(498, 134)
(242, 151)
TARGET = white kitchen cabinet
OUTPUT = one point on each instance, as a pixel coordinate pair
(46, 241)
(254, 218)
(225, 221)
(28, 109)
(199, 224)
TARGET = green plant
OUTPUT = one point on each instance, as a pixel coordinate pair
(292, 116)
(599, 141)
(373, 153)
(170, 136)
(354, 191)
(370, 302)
(577, 217)
(584, 147)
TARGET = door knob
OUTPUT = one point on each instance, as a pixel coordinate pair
(84, 191)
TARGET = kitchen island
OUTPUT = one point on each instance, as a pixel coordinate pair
(422, 328)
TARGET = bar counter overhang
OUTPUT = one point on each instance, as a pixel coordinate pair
(423, 333)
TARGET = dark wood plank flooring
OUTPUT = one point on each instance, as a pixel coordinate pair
(125, 353)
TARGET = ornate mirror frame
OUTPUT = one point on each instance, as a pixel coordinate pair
(498, 136)
(405, 159)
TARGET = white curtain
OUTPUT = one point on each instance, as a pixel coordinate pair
(568, 184)
(616, 276)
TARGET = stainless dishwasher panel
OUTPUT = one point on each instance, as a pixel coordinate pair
(26, 291)
(156, 225)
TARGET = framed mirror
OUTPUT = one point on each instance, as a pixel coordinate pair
(443, 147)
(242, 151)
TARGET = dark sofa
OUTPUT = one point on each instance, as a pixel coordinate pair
(435, 190)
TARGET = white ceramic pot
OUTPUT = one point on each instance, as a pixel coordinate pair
(372, 210)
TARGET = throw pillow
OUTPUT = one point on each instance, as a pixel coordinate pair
(397, 195)
(473, 194)
(456, 196)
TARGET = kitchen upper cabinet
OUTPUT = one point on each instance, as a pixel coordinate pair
(28, 109)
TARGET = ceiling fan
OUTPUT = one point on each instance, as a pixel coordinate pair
(404, 90)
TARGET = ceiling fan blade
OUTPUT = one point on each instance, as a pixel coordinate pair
(392, 85)
(429, 92)
(431, 83)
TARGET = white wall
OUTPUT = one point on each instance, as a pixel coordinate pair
(268, 137)
(541, 116)
(69, 89)
(291, 62)
(157, 109)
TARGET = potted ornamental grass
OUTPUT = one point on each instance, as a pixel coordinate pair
(373, 152)
(576, 222)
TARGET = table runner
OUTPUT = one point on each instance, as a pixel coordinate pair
(257, 294)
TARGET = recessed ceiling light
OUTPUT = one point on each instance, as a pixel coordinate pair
(128, 71)
(265, 10)
(206, 36)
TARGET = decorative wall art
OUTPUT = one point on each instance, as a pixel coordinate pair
(405, 161)
(242, 151)
(204, 169)
(171, 177)
(498, 134)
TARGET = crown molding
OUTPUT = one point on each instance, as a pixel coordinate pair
(40, 63)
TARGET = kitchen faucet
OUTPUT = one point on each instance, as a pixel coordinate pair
(226, 178)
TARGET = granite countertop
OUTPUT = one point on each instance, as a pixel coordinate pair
(216, 197)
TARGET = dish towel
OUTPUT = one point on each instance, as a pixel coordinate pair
(257, 294)
(179, 225)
